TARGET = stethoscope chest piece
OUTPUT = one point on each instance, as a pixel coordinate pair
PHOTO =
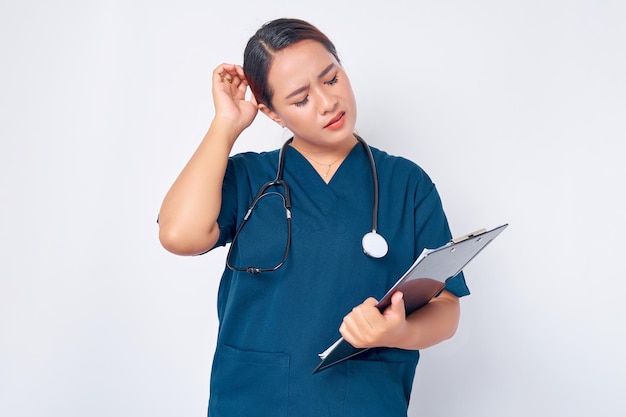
(374, 245)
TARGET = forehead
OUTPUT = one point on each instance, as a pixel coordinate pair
(297, 64)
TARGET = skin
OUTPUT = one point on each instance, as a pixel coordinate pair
(311, 89)
(313, 98)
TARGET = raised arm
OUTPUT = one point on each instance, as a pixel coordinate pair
(188, 215)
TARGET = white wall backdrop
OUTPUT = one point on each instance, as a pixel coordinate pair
(516, 108)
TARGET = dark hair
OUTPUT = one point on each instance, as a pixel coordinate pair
(269, 39)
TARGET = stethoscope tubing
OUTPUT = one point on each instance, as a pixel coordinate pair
(381, 244)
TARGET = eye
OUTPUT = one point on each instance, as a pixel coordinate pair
(302, 102)
(333, 81)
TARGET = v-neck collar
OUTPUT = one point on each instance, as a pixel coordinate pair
(308, 186)
(309, 170)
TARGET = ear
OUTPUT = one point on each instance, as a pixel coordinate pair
(271, 114)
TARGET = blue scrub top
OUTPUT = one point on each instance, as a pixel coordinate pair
(273, 325)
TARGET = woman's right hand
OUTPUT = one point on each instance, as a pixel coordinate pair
(229, 97)
(188, 216)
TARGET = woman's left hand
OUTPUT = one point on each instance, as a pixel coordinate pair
(366, 327)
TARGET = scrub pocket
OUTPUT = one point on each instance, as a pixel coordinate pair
(375, 389)
(247, 383)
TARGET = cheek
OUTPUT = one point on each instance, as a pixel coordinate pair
(301, 115)
(350, 93)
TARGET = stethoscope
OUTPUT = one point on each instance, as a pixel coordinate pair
(374, 245)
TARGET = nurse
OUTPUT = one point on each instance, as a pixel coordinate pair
(305, 235)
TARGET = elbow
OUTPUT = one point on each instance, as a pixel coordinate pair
(451, 331)
(452, 316)
(173, 242)
(455, 319)
(183, 243)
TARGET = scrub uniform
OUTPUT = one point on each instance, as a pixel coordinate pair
(273, 325)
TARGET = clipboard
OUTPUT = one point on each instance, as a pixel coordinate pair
(425, 279)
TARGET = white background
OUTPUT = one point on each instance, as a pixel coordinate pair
(516, 109)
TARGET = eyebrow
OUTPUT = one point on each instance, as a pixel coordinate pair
(304, 88)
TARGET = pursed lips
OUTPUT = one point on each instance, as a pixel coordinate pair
(335, 119)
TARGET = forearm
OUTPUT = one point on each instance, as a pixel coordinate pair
(366, 327)
(188, 215)
(432, 324)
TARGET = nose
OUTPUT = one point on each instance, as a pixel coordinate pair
(327, 102)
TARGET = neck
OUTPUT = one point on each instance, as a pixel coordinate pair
(325, 153)
(325, 158)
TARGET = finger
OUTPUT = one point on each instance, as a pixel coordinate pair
(351, 333)
(237, 73)
(227, 77)
(234, 79)
(371, 301)
(220, 70)
(362, 316)
(225, 73)
(240, 72)
(397, 305)
(367, 315)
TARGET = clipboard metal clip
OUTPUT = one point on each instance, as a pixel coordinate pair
(468, 236)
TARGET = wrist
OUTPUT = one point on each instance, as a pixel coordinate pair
(222, 127)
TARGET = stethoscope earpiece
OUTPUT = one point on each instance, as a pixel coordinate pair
(374, 245)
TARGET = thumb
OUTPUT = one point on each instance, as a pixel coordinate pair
(397, 305)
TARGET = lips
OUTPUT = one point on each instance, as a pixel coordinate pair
(334, 122)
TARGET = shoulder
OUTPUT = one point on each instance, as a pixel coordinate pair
(252, 162)
(249, 158)
(247, 170)
(398, 167)
(400, 177)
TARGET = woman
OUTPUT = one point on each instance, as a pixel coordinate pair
(286, 292)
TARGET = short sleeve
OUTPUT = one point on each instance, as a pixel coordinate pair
(227, 219)
(432, 229)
